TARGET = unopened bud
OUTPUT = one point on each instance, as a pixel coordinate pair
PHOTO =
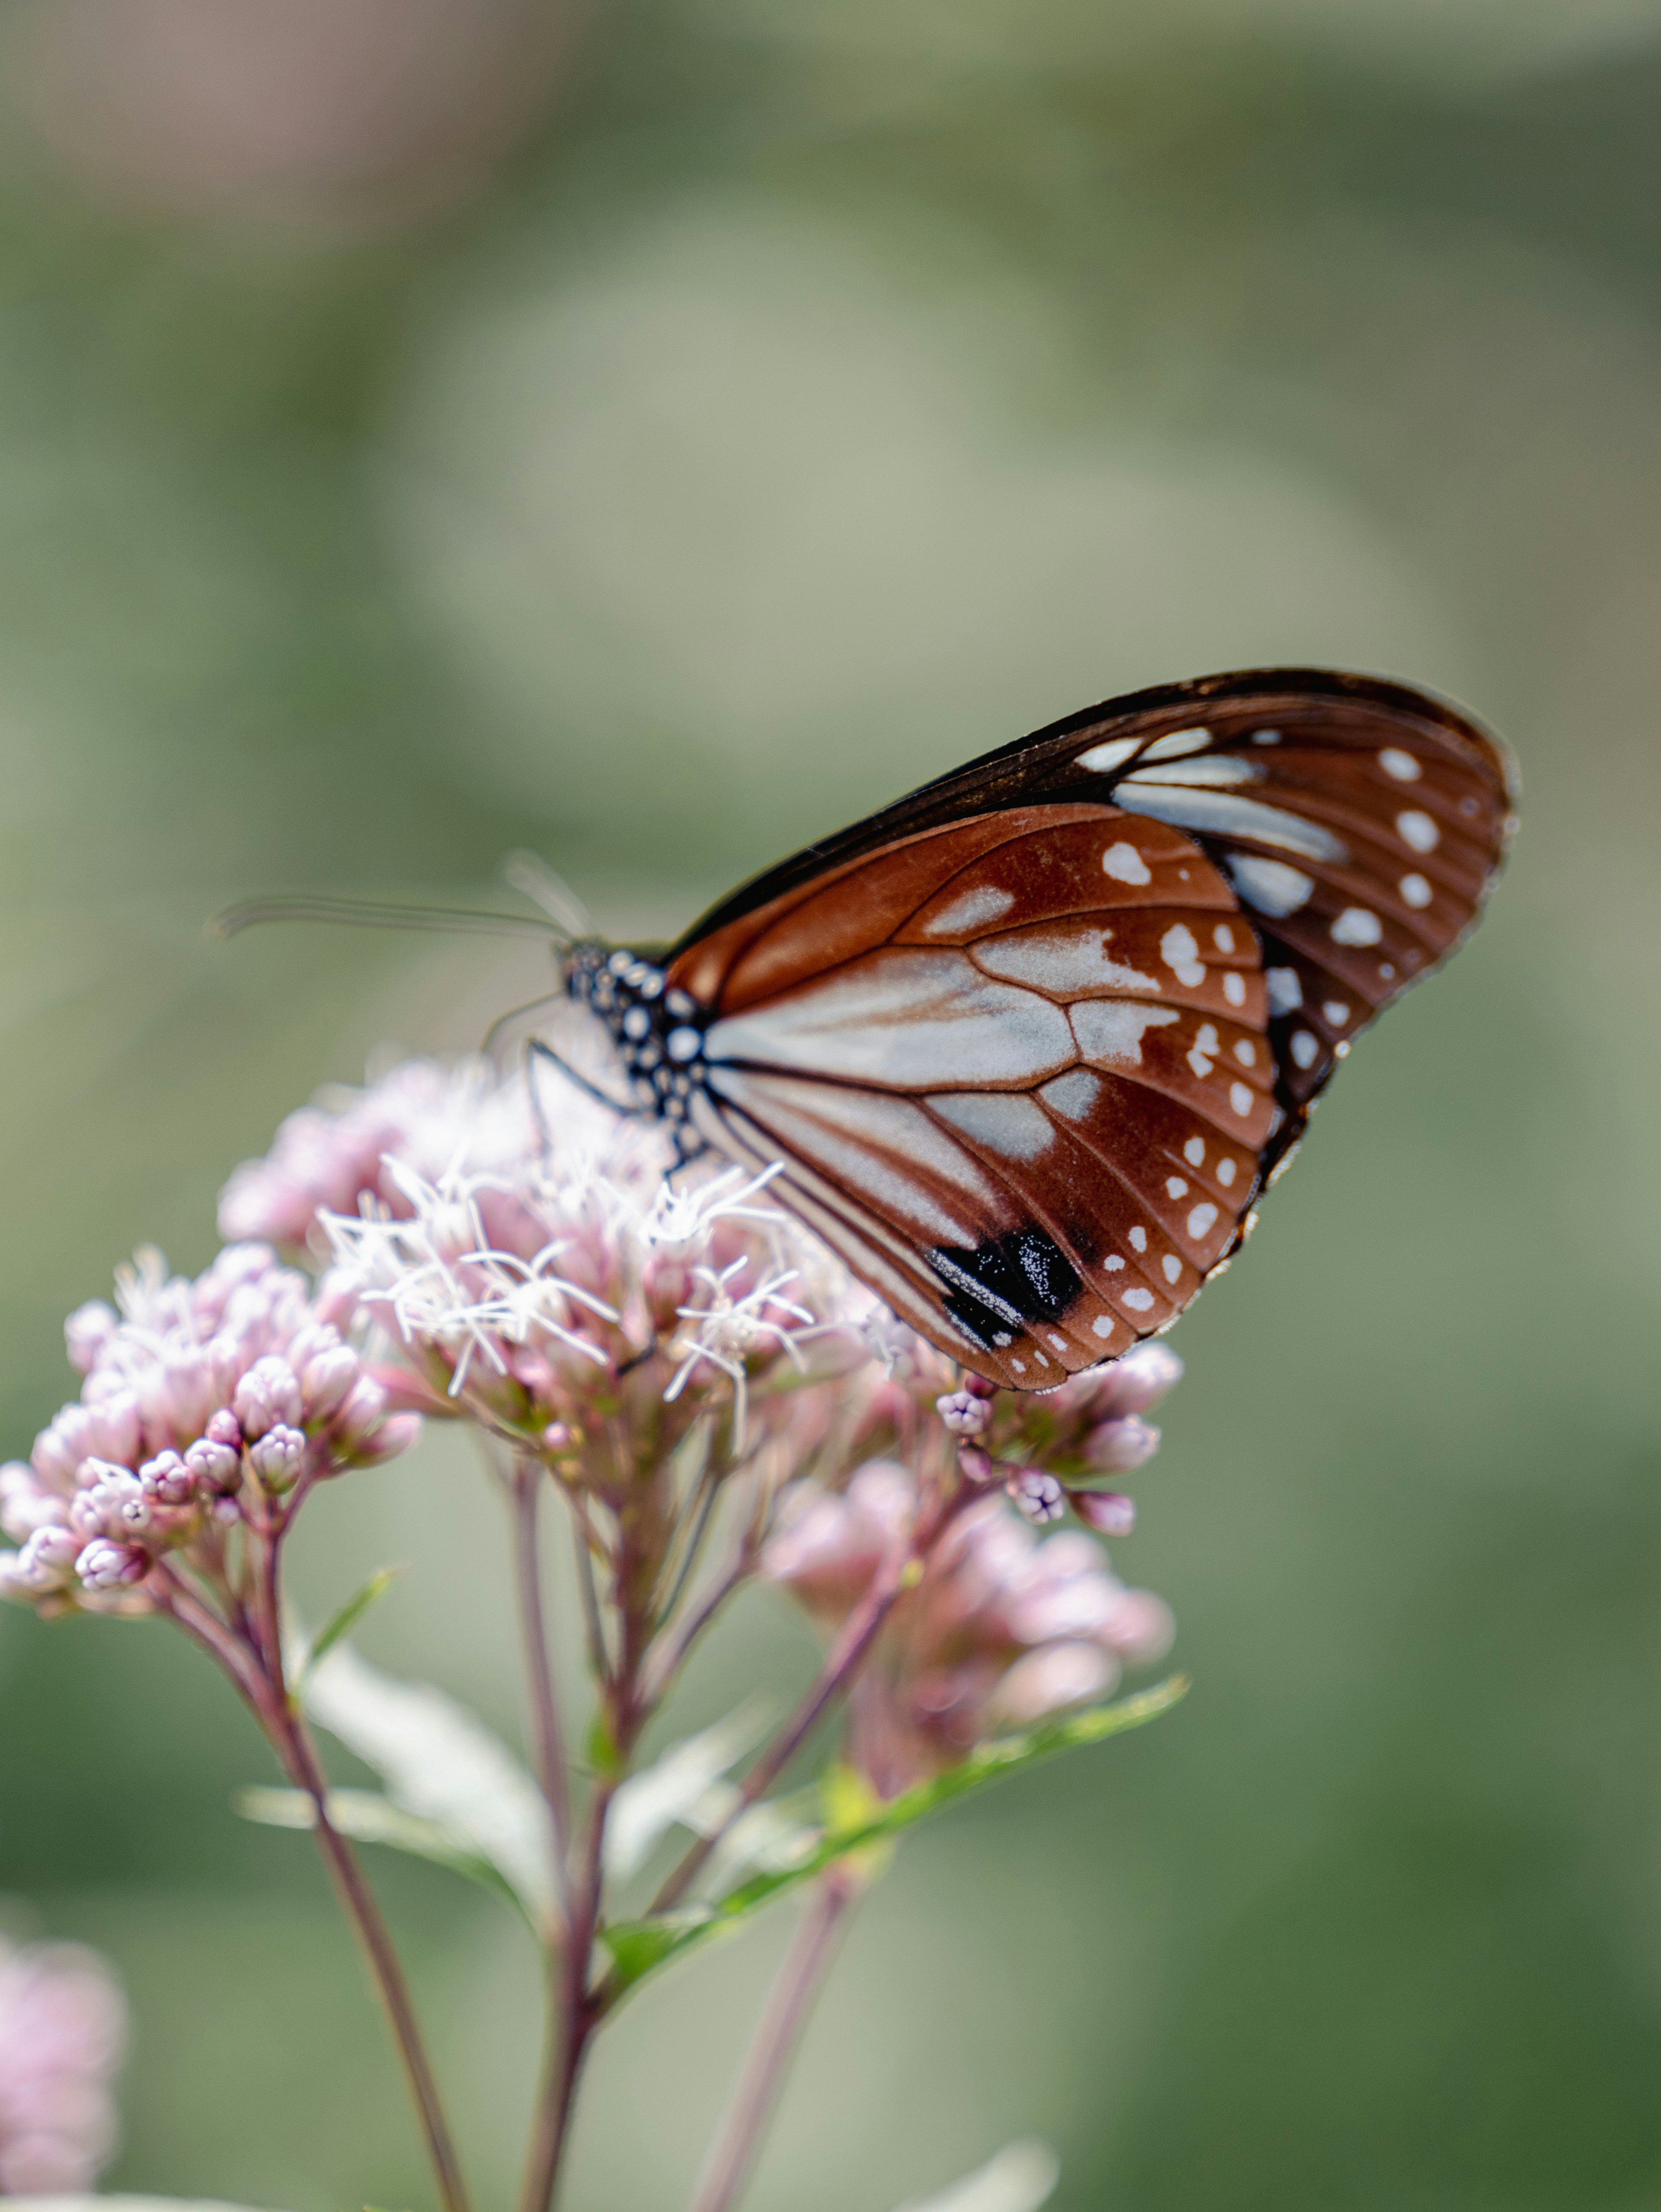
(278, 1456)
(977, 1464)
(396, 1434)
(1136, 1383)
(86, 1332)
(978, 1387)
(223, 1428)
(327, 1381)
(1141, 1628)
(268, 1396)
(48, 1558)
(227, 1511)
(1108, 1512)
(1049, 1680)
(217, 1466)
(337, 1296)
(364, 1408)
(169, 1479)
(104, 1565)
(964, 1413)
(1038, 1497)
(556, 1436)
(1121, 1444)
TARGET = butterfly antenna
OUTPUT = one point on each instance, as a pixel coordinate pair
(530, 875)
(369, 913)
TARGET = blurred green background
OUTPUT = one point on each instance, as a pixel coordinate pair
(653, 435)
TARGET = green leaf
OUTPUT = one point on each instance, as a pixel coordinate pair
(1020, 2178)
(683, 1788)
(345, 1621)
(638, 1948)
(440, 1763)
(368, 1818)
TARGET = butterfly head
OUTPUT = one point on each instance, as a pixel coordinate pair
(658, 1031)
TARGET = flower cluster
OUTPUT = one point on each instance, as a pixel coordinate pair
(62, 2027)
(1001, 1628)
(561, 1290)
(204, 1401)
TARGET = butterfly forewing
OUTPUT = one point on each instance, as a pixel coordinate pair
(1024, 1045)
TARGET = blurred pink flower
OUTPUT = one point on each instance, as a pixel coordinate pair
(63, 2025)
(1002, 1629)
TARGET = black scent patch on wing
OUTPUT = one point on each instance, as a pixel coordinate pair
(999, 1286)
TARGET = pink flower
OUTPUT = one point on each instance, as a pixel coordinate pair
(1002, 1629)
(62, 2027)
(197, 1397)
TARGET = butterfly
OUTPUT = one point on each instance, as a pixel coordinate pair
(1024, 1046)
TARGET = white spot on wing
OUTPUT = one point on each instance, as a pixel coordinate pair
(1113, 754)
(1176, 1186)
(1139, 1301)
(1139, 1240)
(1172, 1268)
(1403, 766)
(1226, 1172)
(1285, 992)
(1418, 830)
(1182, 954)
(1112, 1029)
(1194, 1151)
(1104, 1324)
(1246, 1052)
(1305, 1048)
(1069, 959)
(1357, 925)
(1234, 988)
(1202, 1221)
(969, 909)
(1074, 1095)
(1270, 885)
(1175, 743)
(1225, 813)
(1220, 770)
(1240, 1099)
(1125, 865)
(1223, 937)
(1205, 1049)
(1112, 1263)
(1414, 891)
(1265, 737)
(1337, 1012)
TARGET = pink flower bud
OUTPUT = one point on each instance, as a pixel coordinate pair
(1038, 1497)
(47, 1561)
(1108, 1512)
(227, 1511)
(977, 1464)
(396, 1434)
(1121, 1444)
(167, 1480)
(556, 1436)
(978, 1387)
(337, 1296)
(118, 1428)
(278, 1456)
(363, 1408)
(965, 1414)
(25, 1503)
(87, 1331)
(327, 1380)
(267, 1397)
(108, 1566)
(1141, 1628)
(217, 1466)
(1049, 1680)
(225, 1428)
(1136, 1383)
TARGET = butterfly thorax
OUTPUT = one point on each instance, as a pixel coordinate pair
(658, 1031)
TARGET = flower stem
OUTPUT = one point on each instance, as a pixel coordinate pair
(853, 1641)
(264, 1691)
(743, 2129)
(549, 1736)
(575, 2011)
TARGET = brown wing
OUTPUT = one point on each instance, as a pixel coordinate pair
(1016, 1070)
